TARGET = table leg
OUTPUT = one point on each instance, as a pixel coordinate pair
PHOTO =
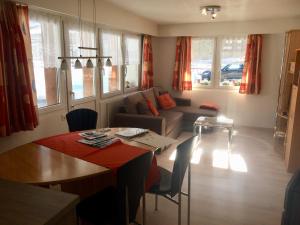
(195, 130)
(200, 132)
(230, 131)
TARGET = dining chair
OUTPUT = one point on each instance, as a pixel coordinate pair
(118, 205)
(171, 182)
(82, 119)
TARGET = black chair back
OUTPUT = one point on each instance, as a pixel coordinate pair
(82, 119)
(130, 186)
(183, 156)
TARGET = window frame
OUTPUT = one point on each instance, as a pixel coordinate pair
(61, 81)
(132, 89)
(215, 84)
(122, 90)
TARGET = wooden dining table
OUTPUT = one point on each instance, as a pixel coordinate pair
(36, 164)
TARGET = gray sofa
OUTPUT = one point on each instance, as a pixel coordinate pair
(169, 123)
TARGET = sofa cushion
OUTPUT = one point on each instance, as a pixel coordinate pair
(166, 101)
(172, 118)
(142, 108)
(131, 101)
(152, 108)
(149, 94)
(191, 113)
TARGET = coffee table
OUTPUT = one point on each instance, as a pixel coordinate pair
(219, 122)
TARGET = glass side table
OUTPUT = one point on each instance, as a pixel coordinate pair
(219, 122)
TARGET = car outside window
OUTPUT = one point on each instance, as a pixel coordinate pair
(218, 62)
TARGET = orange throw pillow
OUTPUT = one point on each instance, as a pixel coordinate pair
(210, 106)
(166, 101)
(152, 108)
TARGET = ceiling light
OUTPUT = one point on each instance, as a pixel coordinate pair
(99, 63)
(77, 64)
(108, 62)
(89, 64)
(64, 65)
(210, 9)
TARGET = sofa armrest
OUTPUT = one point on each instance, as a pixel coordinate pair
(183, 101)
(153, 123)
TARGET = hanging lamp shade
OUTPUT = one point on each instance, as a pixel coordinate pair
(89, 64)
(77, 64)
(108, 63)
(64, 65)
(99, 63)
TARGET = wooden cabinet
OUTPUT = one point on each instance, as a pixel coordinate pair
(287, 79)
(292, 139)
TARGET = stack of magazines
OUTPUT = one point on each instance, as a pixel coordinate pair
(95, 139)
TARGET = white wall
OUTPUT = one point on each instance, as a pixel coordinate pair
(271, 26)
(249, 110)
(107, 14)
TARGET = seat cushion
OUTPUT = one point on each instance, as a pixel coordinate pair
(164, 186)
(191, 113)
(131, 101)
(172, 119)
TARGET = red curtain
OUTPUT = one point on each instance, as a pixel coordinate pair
(147, 77)
(182, 71)
(251, 78)
(17, 107)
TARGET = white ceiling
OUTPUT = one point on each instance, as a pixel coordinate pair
(187, 11)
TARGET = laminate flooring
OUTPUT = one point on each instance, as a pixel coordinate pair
(245, 187)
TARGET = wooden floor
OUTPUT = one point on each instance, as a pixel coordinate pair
(245, 188)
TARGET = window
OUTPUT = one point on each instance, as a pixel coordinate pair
(132, 58)
(44, 31)
(111, 46)
(226, 70)
(232, 61)
(202, 60)
(83, 80)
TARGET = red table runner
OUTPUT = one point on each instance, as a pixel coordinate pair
(112, 157)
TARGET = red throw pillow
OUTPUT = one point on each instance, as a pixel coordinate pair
(210, 106)
(166, 101)
(152, 108)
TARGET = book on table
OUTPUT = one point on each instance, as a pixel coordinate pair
(131, 132)
(96, 139)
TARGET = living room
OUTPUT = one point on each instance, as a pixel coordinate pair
(218, 34)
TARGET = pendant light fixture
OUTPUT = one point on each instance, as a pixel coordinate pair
(64, 65)
(108, 62)
(89, 63)
(78, 64)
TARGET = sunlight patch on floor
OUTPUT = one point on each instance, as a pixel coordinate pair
(223, 159)
(195, 157)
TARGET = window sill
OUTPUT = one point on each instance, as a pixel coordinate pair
(51, 108)
(132, 89)
(221, 88)
(111, 94)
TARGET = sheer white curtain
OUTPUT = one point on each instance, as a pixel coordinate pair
(49, 28)
(45, 31)
(132, 49)
(83, 80)
(132, 59)
(110, 42)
